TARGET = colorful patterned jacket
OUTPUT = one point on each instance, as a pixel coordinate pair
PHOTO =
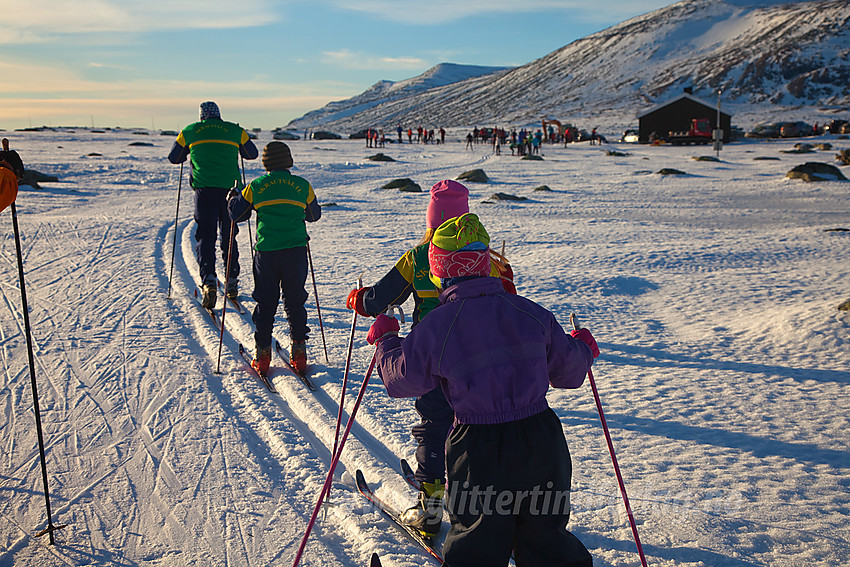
(411, 275)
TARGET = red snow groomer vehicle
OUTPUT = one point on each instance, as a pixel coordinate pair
(700, 133)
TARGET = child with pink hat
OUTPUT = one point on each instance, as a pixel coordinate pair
(494, 355)
(411, 276)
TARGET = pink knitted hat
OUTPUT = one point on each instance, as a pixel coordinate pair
(449, 199)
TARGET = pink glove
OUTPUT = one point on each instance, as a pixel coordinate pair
(382, 327)
(584, 336)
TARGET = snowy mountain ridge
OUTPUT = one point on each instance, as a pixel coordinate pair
(384, 91)
(764, 57)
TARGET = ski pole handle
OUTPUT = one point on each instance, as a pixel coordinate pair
(574, 321)
(391, 309)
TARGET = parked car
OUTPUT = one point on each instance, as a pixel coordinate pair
(789, 130)
(803, 129)
(806, 129)
(630, 137)
(285, 135)
(834, 126)
(324, 135)
(766, 130)
(359, 135)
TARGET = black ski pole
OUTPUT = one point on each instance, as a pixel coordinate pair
(224, 306)
(176, 216)
(27, 331)
(318, 309)
(50, 527)
(345, 376)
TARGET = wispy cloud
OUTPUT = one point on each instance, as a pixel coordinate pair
(71, 100)
(41, 20)
(444, 11)
(359, 60)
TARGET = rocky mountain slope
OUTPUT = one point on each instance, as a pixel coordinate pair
(765, 57)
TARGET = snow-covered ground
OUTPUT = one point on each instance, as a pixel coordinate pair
(725, 372)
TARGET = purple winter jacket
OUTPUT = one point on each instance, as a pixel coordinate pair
(493, 353)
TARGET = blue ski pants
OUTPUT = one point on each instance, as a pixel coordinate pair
(436, 418)
(279, 271)
(211, 218)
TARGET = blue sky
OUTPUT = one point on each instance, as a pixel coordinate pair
(149, 63)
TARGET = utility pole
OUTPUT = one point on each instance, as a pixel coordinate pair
(717, 135)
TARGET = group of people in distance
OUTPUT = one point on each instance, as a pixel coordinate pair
(479, 359)
(375, 137)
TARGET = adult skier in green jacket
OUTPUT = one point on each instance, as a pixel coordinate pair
(213, 147)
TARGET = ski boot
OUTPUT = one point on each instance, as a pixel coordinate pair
(209, 295)
(262, 360)
(298, 357)
(233, 289)
(426, 515)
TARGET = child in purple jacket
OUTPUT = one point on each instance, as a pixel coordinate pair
(494, 355)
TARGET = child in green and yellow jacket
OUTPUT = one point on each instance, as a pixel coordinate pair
(283, 203)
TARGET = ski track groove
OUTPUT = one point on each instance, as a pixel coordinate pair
(293, 405)
(91, 299)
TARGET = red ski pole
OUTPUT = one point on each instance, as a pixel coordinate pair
(574, 321)
(334, 461)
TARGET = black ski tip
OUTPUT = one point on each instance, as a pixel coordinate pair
(360, 480)
(405, 468)
(375, 561)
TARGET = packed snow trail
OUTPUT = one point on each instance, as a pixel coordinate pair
(713, 297)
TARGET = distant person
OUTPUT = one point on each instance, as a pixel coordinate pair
(283, 203)
(213, 147)
(399, 130)
(410, 135)
(469, 140)
(442, 135)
